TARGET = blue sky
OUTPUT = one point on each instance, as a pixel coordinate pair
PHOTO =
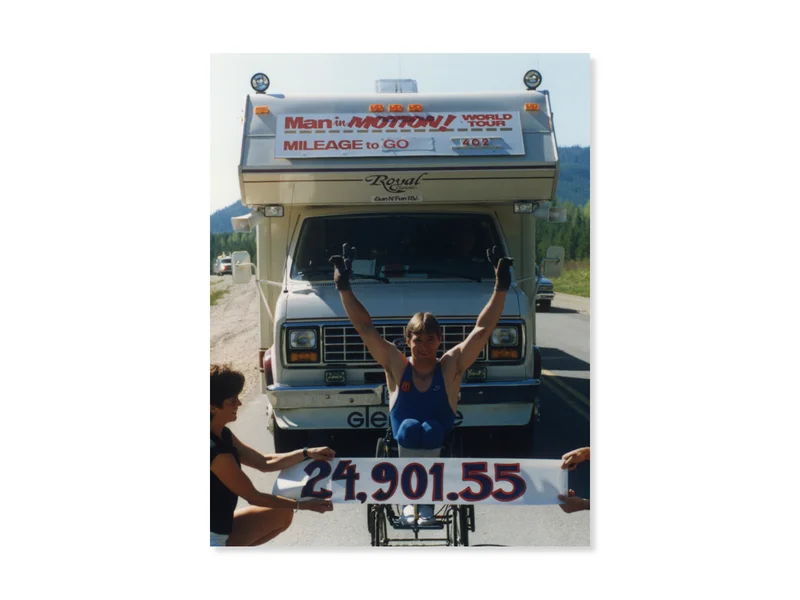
(566, 76)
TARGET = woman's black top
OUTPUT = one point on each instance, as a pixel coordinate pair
(223, 501)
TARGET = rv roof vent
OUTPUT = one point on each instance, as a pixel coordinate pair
(394, 86)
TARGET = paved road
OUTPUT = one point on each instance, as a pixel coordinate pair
(563, 335)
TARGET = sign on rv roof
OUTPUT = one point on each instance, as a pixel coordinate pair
(398, 147)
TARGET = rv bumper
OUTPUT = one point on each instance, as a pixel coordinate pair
(506, 392)
(290, 397)
(481, 405)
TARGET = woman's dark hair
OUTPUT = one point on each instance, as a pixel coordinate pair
(225, 383)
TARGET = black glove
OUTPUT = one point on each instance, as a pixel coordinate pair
(342, 269)
(502, 269)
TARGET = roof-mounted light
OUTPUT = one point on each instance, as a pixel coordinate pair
(259, 82)
(532, 79)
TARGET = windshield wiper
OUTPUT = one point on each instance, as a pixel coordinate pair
(375, 277)
(325, 270)
(456, 275)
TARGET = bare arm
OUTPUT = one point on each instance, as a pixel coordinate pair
(575, 457)
(231, 475)
(467, 352)
(276, 462)
(572, 503)
(381, 350)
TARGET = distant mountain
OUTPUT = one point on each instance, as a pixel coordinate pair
(573, 177)
(221, 220)
(573, 186)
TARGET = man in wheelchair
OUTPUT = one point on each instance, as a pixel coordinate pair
(423, 390)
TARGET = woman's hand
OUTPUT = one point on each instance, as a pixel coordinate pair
(321, 453)
(572, 503)
(574, 458)
(318, 505)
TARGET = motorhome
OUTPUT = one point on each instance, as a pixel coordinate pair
(416, 186)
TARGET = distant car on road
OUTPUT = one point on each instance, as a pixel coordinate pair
(544, 291)
(223, 266)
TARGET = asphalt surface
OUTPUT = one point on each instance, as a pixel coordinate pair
(563, 336)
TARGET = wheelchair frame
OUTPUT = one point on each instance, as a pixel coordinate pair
(457, 520)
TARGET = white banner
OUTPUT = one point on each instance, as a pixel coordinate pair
(425, 481)
(398, 134)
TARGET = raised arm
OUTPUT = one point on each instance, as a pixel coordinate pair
(381, 350)
(467, 352)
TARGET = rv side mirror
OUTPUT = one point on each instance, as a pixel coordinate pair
(556, 214)
(241, 266)
(552, 264)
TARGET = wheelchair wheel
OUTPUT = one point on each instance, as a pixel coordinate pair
(373, 516)
(381, 450)
(381, 529)
(463, 524)
(453, 526)
(376, 515)
(371, 508)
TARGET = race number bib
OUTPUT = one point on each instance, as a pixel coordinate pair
(425, 480)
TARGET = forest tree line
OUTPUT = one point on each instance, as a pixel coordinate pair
(225, 243)
(572, 235)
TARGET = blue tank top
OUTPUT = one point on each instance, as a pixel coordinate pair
(422, 406)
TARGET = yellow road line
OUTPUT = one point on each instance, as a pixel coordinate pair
(567, 400)
(568, 388)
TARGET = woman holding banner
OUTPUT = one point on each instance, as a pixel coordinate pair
(572, 503)
(268, 515)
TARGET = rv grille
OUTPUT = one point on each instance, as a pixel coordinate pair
(343, 344)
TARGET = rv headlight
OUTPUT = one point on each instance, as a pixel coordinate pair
(302, 339)
(259, 82)
(505, 336)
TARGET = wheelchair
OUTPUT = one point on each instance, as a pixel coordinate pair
(456, 521)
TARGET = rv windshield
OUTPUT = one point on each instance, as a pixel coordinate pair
(411, 246)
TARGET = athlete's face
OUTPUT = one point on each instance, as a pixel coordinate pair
(424, 345)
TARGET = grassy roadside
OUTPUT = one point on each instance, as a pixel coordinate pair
(574, 280)
(216, 294)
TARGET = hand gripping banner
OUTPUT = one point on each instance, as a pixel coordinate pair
(425, 480)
